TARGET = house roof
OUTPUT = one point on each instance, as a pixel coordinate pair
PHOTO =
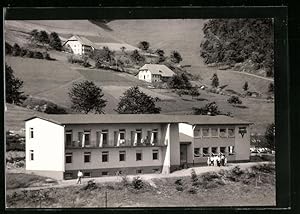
(64, 119)
(158, 69)
(82, 40)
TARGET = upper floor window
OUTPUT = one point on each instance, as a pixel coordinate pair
(31, 132)
(138, 155)
(231, 132)
(122, 156)
(138, 135)
(31, 155)
(104, 137)
(205, 132)
(68, 157)
(104, 156)
(222, 132)
(214, 132)
(205, 151)
(87, 138)
(155, 154)
(197, 132)
(87, 157)
(69, 137)
(196, 152)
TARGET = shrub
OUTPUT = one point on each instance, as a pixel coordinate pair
(91, 185)
(16, 50)
(8, 48)
(209, 176)
(37, 55)
(192, 190)
(29, 54)
(179, 182)
(137, 183)
(46, 56)
(23, 52)
(266, 168)
(208, 109)
(234, 100)
(179, 188)
(237, 171)
(194, 176)
(125, 182)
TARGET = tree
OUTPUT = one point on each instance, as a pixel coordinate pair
(161, 55)
(104, 56)
(12, 87)
(144, 45)
(209, 109)
(16, 50)
(123, 48)
(215, 80)
(270, 136)
(179, 81)
(245, 86)
(136, 57)
(234, 100)
(271, 88)
(87, 97)
(135, 101)
(175, 57)
(43, 37)
(54, 41)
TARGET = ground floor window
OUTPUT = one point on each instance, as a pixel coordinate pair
(214, 150)
(31, 155)
(138, 155)
(122, 155)
(231, 150)
(68, 175)
(223, 149)
(87, 174)
(104, 173)
(87, 157)
(155, 170)
(155, 154)
(104, 156)
(139, 171)
(196, 152)
(205, 151)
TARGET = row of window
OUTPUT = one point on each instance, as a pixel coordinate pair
(105, 156)
(102, 137)
(106, 173)
(214, 132)
(207, 151)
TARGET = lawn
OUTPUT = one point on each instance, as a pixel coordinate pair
(253, 186)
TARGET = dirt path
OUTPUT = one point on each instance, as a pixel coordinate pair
(253, 75)
(147, 177)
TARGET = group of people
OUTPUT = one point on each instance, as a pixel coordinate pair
(217, 160)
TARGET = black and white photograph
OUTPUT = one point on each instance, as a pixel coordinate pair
(115, 113)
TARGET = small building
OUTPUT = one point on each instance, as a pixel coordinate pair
(80, 45)
(155, 73)
(101, 145)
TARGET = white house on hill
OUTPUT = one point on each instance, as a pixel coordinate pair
(80, 45)
(155, 73)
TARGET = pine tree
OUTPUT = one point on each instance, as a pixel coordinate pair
(55, 41)
(245, 86)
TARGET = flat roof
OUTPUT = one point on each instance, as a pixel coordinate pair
(64, 119)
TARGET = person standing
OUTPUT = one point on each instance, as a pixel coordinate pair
(208, 161)
(79, 176)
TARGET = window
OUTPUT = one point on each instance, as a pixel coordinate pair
(104, 173)
(205, 151)
(214, 132)
(231, 150)
(196, 152)
(205, 132)
(31, 132)
(144, 77)
(197, 132)
(87, 157)
(122, 134)
(139, 135)
(68, 175)
(86, 138)
(155, 154)
(104, 156)
(68, 157)
(122, 155)
(104, 137)
(223, 149)
(31, 155)
(69, 137)
(214, 150)
(222, 132)
(87, 174)
(139, 171)
(231, 132)
(138, 155)
(155, 170)
(155, 136)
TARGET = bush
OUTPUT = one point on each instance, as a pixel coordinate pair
(29, 54)
(209, 176)
(23, 52)
(125, 182)
(237, 171)
(179, 188)
(137, 183)
(8, 48)
(16, 50)
(234, 100)
(91, 185)
(37, 55)
(194, 176)
(192, 190)
(179, 182)
(46, 56)
(266, 168)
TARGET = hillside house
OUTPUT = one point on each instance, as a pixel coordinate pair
(80, 45)
(155, 73)
(101, 145)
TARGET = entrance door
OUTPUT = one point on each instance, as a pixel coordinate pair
(183, 154)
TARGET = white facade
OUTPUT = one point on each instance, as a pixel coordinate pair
(79, 48)
(45, 148)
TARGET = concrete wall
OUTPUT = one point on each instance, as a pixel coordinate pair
(174, 145)
(242, 144)
(47, 145)
(113, 159)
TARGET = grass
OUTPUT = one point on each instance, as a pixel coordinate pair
(23, 180)
(250, 187)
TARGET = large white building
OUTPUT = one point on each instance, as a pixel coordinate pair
(155, 73)
(80, 45)
(59, 145)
